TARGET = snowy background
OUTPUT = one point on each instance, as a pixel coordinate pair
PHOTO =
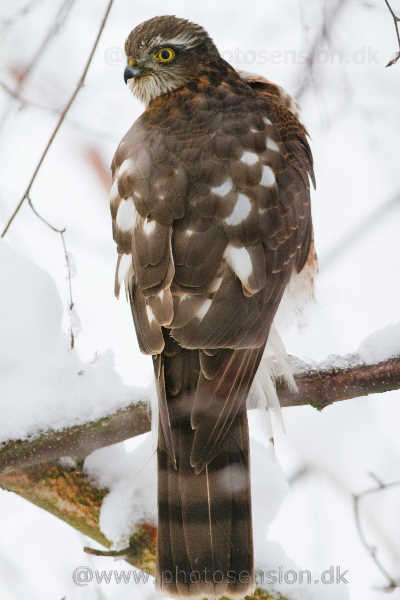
(303, 502)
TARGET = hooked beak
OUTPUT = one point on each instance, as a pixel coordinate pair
(132, 72)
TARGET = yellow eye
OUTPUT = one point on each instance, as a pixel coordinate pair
(132, 62)
(165, 55)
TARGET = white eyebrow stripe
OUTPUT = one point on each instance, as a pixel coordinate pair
(187, 40)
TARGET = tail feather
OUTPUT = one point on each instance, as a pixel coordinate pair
(204, 543)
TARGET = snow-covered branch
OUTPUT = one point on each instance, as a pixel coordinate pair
(318, 386)
(67, 493)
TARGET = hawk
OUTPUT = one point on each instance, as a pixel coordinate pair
(210, 207)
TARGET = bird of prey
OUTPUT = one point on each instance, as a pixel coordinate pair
(210, 208)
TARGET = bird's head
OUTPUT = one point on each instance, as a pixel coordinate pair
(164, 54)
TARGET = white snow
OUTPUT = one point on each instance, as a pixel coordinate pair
(351, 96)
(381, 345)
(44, 384)
(128, 470)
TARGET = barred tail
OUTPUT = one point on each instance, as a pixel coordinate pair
(204, 545)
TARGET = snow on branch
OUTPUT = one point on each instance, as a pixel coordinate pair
(67, 493)
(319, 386)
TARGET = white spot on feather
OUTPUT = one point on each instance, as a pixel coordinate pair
(114, 189)
(126, 215)
(189, 232)
(240, 212)
(124, 266)
(272, 145)
(215, 285)
(148, 227)
(239, 261)
(250, 158)
(202, 311)
(223, 189)
(268, 176)
(231, 479)
(150, 314)
(267, 121)
(128, 165)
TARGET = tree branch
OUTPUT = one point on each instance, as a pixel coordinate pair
(28, 468)
(396, 21)
(78, 441)
(69, 495)
(318, 387)
(322, 36)
(321, 387)
(392, 583)
(60, 120)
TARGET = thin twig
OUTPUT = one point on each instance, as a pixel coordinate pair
(61, 119)
(322, 36)
(24, 101)
(113, 553)
(61, 232)
(82, 127)
(22, 12)
(58, 23)
(39, 216)
(396, 21)
(392, 583)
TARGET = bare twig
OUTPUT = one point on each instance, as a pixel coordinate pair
(392, 583)
(112, 553)
(24, 101)
(396, 21)
(322, 37)
(317, 388)
(16, 18)
(82, 127)
(61, 232)
(58, 22)
(61, 119)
